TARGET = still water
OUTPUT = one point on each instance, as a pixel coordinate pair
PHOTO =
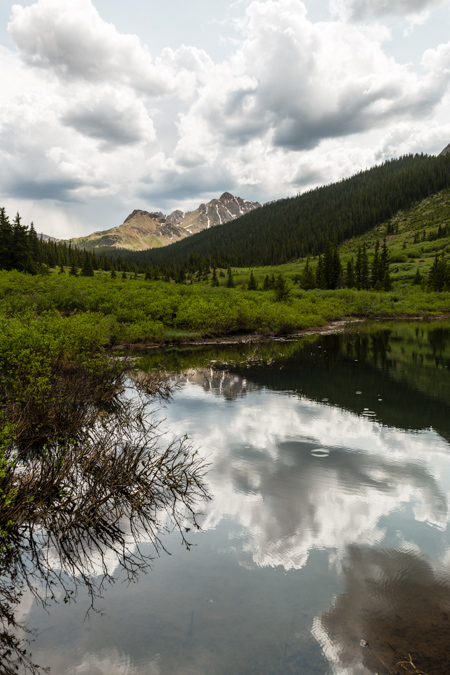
(325, 547)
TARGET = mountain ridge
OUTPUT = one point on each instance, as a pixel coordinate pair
(142, 230)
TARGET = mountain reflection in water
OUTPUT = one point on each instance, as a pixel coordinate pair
(325, 547)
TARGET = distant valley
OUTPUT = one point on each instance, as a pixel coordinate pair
(143, 230)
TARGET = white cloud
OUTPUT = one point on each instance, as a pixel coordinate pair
(111, 117)
(300, 83)
(71, 40)
(359, 10)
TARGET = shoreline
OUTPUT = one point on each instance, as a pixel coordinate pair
(338, 326)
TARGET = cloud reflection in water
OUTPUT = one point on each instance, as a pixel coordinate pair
(288, 501)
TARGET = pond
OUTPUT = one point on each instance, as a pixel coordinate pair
(325, 546)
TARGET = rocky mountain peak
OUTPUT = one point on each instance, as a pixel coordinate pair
(144, 229)
(156, 215)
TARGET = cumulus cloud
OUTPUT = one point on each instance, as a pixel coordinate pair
(111, 118)
(301, 83)
(71, 40)
(49, 152)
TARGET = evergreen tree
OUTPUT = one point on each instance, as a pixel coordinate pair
(439, 274)
(230, 282)
(365, 281)
(33, 242)
(30, 266)
(376, 271)
(307, 279)
(124, 275)
(6, 241)
(252, 285)
(387, 283)
(20, 244)
(350, 277)
(266, 283)
(87, 269)
(281, 288)
(113, 273)
(384, 259)
(358, 268)
(417, 281)
(330, 271)
(320, 274)
(61, 269)
(73, 270)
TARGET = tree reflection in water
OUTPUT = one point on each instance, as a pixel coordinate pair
(81, 507)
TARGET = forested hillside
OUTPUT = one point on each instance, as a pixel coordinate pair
(301, 226)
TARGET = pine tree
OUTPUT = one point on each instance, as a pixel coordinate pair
(365, 282)
(33, 242)
(113, 273)
(230, 282)
(73, 270)
(214, 279)
(439, 274)
(384, 260)
(20, 244)
(30, 266)
(6, 241)
(350, 278)
(252, 285)
(331, 269)
(87, 269)
(307, 279)
(320, 273)
(376, 271)
(281, 288)
(417, 281)
(358, 268)
(387, 283)
(266, 283)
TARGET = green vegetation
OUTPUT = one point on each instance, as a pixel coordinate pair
(105, 311)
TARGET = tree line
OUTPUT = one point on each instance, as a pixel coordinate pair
(300, 226)
(22, 249)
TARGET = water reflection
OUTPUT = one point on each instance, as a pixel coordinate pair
(395, 605)
(292, 485)
(328, 523)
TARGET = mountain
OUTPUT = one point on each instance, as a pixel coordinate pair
(142, 230)
(216, 212)
(300, 226)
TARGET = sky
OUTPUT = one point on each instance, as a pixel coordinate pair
(108, 106)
